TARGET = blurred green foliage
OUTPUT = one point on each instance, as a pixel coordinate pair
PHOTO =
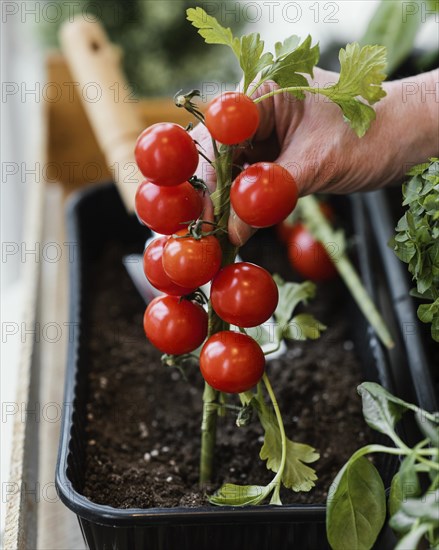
(162, 52)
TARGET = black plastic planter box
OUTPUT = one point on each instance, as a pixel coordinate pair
(94, 218)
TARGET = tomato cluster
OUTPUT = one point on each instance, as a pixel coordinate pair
(189, 255)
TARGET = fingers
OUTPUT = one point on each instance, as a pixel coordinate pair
(239, 232)
(205, 171)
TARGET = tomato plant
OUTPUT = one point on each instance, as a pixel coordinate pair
(263, 194)
(308, 256)
(165, 210)
(232, 362)
(175, 326)
(166, 154)
(244, 294)
(154, 272)
(232, 118)
(190, 261)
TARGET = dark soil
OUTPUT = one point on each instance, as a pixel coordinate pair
(144, 419)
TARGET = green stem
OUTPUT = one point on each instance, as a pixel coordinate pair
(277, 480)
(323, 232)
(283, 90)
(223, 166)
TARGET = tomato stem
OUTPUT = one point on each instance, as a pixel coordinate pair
(211, 407)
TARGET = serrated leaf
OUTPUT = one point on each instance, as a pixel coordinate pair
(287, 46)
(361, 76)
(296, 475)
(304, 327)
(357, 114)
(302, 59)
(356, 508)
(290, 295)
(212, 32)
(362, 72)
(240, 495)
(252, 58)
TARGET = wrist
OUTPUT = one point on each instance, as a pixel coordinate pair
(412, 111)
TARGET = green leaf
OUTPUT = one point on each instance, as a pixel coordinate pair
(409, 478)
(417, 239)
(362, 72)
(287, 46)
(381, 410)
(302, 59)
(361, 76)
(388, 28)
(296, 475)
(252, 58)
(304, 327)
(357, 114)
(396, 494)
(426, 312)
(290, 295)
(240, 495)
(212, 32)
(356, 507)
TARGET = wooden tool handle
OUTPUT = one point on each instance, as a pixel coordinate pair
(95, 64)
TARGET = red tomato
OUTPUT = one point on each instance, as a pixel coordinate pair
(232, 362)
(308, 256)
(153, 268)
(175, 326)
(163, 209)
(285, 228)
(244, 294)
(232, 118)
(263, 194)
(166, 154)
(191, 262)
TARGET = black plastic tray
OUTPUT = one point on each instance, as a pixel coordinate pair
(94, 218)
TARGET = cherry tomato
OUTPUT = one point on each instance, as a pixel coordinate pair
(263, 194)
(163, 209)
(244, 294)
(166, 154)
(284, 229)
(191, 262)
(231, 362)
(175, 326)
(232, 118)
(153, 268)
(308, 256)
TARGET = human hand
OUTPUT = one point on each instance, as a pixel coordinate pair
(311, 140)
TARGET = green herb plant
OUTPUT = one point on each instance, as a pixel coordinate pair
(357, 506)
(417, 239)
(359, 87)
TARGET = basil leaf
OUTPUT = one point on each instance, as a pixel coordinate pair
(356, 507)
